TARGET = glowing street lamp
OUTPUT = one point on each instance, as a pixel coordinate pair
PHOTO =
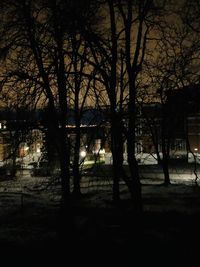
(83, 153)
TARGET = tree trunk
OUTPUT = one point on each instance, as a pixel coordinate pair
(165, 167)
(118, 158)
(117, 155)
(64, 166)
(66, 228)
(135, 185)
(165, 150)
(76, 171)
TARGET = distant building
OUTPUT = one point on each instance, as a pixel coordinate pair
(181, 116)
(25, 131)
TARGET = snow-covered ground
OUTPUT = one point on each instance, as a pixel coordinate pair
(182, 181)
(28, 217)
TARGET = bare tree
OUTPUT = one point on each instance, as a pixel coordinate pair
(138, 20)
(37, 35)
(104, 48)
(80, 82)
(173, 67)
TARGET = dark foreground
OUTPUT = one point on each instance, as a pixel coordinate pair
(167, 234)
(102, 236)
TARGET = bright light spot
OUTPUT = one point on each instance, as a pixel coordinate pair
(195, 149)
(102, 151)
(38, 150)
(83, 153)
(26, 148)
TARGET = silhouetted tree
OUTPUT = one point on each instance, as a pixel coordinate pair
(104, 48)
(38, 32)
(81, 77)
(173, 67)
(138, 20)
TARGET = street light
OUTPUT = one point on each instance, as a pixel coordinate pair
(83, 153)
